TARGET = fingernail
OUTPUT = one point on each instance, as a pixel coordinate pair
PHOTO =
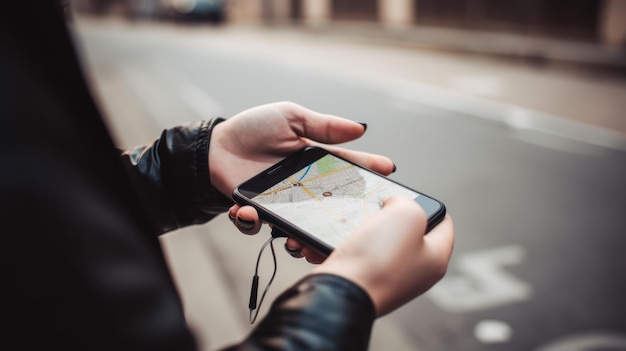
(232, 219)
(394, 168)
(290, 250)
(293, 252)
(364, 126)
(245, 224)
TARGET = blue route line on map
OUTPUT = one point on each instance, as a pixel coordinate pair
(305, 172)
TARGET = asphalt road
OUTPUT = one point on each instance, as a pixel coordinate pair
(540, 219)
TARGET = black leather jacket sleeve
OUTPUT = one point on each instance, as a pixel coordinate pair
(321, 312)
(172, 177)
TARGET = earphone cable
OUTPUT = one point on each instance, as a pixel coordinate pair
(254, 308)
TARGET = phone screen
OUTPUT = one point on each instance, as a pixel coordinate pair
(331, 197)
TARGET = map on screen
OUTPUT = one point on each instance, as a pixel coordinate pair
(330, 198)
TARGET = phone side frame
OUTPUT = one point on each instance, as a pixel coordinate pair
(437, 217)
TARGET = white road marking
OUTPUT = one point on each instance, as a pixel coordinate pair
(482, 281)
(586, 342)
(517, 118)
(492, 331)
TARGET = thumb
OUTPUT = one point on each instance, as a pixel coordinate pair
(404, 206)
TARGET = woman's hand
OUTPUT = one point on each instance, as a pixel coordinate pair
(257, 138)
(391, 258)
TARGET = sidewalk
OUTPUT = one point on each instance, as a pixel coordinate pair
(505, 45)
(575, 81)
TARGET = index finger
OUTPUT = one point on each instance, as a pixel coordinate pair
(324, 128)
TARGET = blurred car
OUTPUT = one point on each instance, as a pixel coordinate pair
(210, 10)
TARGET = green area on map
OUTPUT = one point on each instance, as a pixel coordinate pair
(326, 164)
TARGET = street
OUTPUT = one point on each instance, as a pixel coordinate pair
(538, 202)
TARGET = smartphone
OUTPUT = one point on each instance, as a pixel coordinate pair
(320, 198)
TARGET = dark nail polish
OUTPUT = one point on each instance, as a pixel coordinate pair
(394, 168)
(244, 224)
(364, 126)
(293, 253)
(290, 250)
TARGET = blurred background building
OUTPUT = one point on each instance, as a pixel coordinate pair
(588, 20)
(589, 31)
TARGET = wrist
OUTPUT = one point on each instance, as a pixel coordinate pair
(215, 154)
(354, 277)
(343, 288)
